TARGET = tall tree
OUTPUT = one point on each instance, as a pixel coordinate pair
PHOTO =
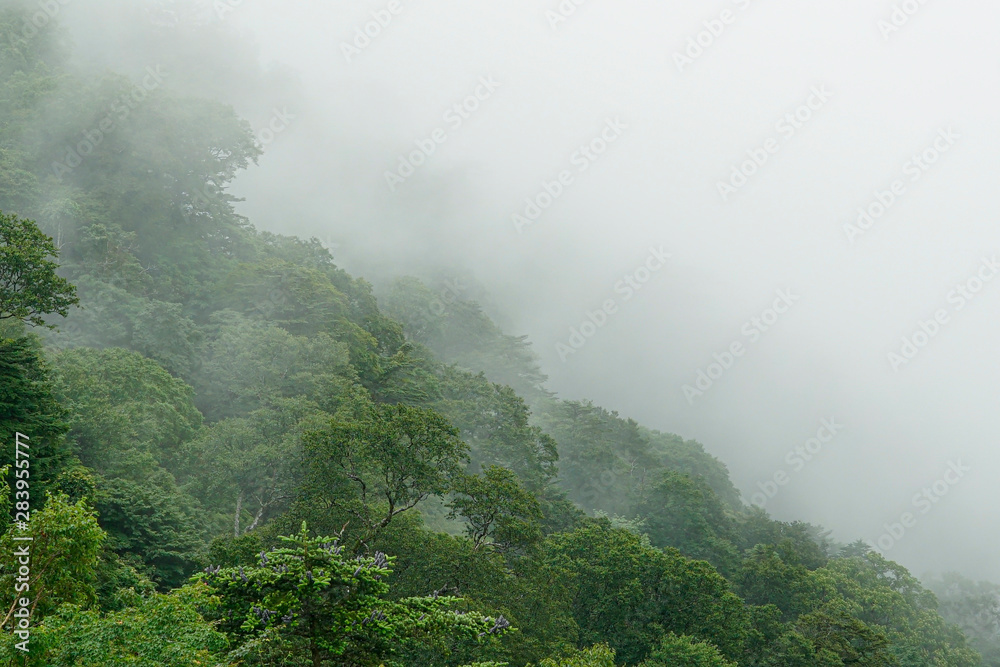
(28, 406)
(29, 286)
(375, 462)
(307, 603)
(497, 509)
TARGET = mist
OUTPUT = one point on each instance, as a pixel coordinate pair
(818, 173)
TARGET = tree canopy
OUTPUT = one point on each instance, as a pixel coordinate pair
(29, 285)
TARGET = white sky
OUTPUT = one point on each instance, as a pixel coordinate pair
(656, 186)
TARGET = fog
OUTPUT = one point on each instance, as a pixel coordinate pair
(896, 106)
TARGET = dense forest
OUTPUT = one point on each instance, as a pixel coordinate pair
(242, 455)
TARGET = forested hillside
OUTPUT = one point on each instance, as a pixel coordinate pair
(242, 455)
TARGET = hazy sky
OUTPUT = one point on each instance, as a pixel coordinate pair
(844, 110)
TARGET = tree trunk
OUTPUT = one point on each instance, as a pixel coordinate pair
(257, 518)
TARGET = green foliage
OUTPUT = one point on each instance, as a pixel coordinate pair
(599, 655)
(533, 595)
(298, 299)
(118, 582)
(859, 610)
(765, 578)
(123, 405)
(245, 468)
(29, 286)
(374, 462)
(497, 509)
(884, 595)
(309, 600)
(457, 331)
(676, 651)
(251, 365)
(683, 512)
(129, 419)
(974, 607)
(603, 460)
(66, 543)
(29, 406)
(152, 525)
(798, 542)
(495, 422)
(689, 457)
(838, 636)
(154, 631)
(114, 317)
(631, 595)
(18, 186)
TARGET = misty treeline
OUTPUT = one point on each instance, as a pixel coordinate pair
(242, 455)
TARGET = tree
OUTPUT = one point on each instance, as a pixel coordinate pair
(459, 332)
(153, 631)
(375, 462)
(683, 651)
(496, 423)
(799, 543)
(28, 405)
(29, 286)
(152, 524)
(314, 605)
(244, 466)
(130, 422)
(765, 578)
(605, 461)
(690, 457)
(599, 655)
(531, 594)
(975, 608)
(682, 511)
(123, 405)
(498, 510)
(632, 596)
(251, 365)
(835, 632)
(66, 542)
(887, 598)
(113, 317)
